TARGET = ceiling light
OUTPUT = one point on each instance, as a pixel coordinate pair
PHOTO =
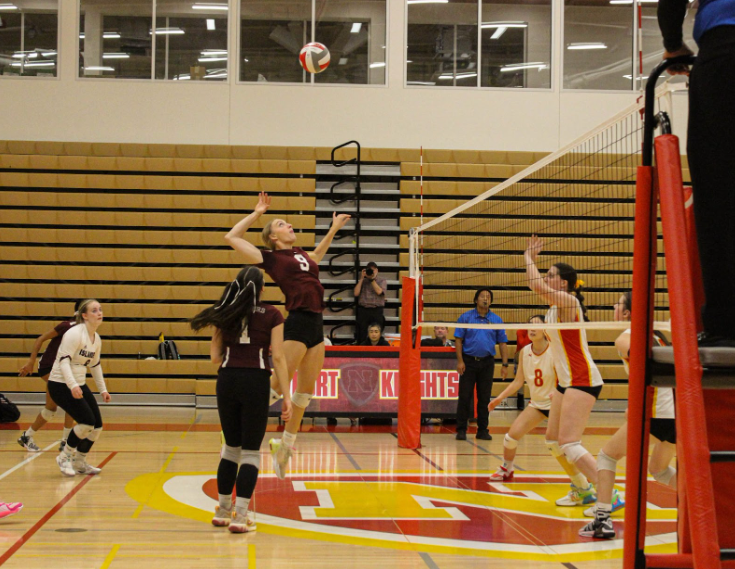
(521, 66)
(168, 32)
(49, 53)
(377, 64)
(111, 35)
(211, 24)
(115, 56)
(637, 78)
(25, 55)
(34, 64)
(427, 1)
(488, 25)
(587, 45)
(98, 68)
(342, 61)
(246, 60)
(208, 59)
(8, 7)
(356, 27)
(209, 6)
(629, 2)
(498, 33)
(459, 76)
(213, 52)
(183, 77)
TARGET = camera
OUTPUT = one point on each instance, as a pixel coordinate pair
(369, 272)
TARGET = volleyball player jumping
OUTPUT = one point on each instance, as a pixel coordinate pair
(580, 381)
(244, 331)
(296, 272)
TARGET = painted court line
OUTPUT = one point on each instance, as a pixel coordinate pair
(110, 556)
(344, 450)
(40, 523)
(27, 460)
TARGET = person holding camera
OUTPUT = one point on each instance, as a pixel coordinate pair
(370, 293)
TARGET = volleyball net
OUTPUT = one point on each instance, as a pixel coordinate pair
(579, 200)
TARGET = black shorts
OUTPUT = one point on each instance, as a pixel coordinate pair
(544, 412)
(594, 391)
(664, 430)
(44, 371)
(305, 327)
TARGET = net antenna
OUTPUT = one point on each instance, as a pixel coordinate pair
(579, 200)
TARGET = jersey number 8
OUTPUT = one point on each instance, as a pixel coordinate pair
(303, 263)
(538, 378)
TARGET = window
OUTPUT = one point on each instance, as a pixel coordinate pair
(514, 41)
(29, 38)
(598, 44)
(272, 33)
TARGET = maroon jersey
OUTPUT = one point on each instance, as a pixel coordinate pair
(49, 356)
(251, 349)
(298, 276)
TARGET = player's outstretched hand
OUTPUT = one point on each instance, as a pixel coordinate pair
(264, 202)
(340, 220)
(534, 247)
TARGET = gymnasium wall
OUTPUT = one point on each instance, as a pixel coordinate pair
(392, 116)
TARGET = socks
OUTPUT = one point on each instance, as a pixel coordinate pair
(29, 432)
(288, 439)
(68, 451)
(225, 501)
(580, 481)
(508, 465)
(603, 511)
(65, 435)
(241, 506)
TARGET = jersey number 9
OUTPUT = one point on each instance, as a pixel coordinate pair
(303, 263)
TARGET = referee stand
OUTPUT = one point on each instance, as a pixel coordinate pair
(704, 414)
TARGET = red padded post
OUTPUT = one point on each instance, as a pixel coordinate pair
(409, 372)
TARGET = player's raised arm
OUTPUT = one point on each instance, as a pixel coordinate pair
(536, 282)
(338, 222)
(250, 252)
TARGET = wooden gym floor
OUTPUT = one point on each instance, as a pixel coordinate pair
(352, 499)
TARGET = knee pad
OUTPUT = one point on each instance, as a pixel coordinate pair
(604, 462)
(47, 414)
(83, 431)
(95, 434)
(554, 449)
(509, 442)
(665, 476)
(574, 451)
(231, 453)
(301, 399)
(251, 457)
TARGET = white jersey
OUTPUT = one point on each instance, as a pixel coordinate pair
(663, 397)
(540, 376)
(82, 352)
(572, 359)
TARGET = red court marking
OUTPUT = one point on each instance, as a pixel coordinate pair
(40, 523)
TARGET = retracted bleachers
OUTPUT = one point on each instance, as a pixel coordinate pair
(139, 227)
(451, 178)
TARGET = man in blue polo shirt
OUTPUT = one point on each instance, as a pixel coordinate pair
(476, 363)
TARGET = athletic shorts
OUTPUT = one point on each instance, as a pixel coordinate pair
(44, 371)
(305, 327)
(594, 391)
(544, 411)
(664, 430)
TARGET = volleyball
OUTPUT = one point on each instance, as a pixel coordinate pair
(314, 57)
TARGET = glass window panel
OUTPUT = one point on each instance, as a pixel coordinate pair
(354, 32)
(115, 39)
(516, 44)
(272, 33)
(200, 52)
(29, 38)
(598, 45)
(442, 44)
(653, 43)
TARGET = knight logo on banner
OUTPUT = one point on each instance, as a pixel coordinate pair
(360, 382)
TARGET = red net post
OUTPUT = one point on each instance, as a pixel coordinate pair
(409, 372)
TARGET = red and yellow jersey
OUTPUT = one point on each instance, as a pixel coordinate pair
(663, 397)
(540, 376)
(572, 359)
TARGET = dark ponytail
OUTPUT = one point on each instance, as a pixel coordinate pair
(628, 300)
(232, 311)
(574, 285)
